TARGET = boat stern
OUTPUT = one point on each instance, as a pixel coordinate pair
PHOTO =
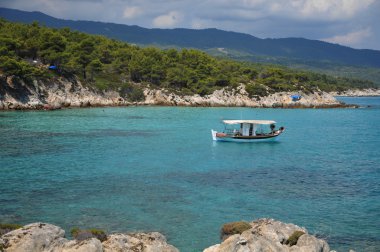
(213, 134)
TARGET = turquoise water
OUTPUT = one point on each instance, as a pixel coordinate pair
(157, 169)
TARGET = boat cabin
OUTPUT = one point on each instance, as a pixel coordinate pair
(248, 127)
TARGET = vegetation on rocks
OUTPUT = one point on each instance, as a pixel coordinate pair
(81, 235)
(232, 228)
(27, 51)
(6, 227)
(292, 240)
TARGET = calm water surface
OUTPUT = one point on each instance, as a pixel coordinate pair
(157, 169)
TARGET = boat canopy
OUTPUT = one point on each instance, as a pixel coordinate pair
(248, 121)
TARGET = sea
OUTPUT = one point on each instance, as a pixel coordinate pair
(129, 169)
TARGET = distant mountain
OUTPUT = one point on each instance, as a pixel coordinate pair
(270, 50)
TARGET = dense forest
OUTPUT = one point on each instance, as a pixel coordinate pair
(33, 51)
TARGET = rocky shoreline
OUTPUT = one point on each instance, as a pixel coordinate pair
(259, 236)
(15, 94)
(358, 93)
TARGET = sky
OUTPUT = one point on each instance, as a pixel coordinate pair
(354, 23)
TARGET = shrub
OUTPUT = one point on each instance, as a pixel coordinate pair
(132, 92)
(74, 231)
(81, 235)
(137, 94)
(293, 239)
(5, 228)
(256, 90)
(232, 228)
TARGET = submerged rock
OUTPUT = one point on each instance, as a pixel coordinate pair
(270, 235)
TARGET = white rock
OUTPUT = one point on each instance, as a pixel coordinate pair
(34, 237)
(270, 235)
(88, 245)
(147, 242)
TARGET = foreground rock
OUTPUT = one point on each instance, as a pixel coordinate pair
(271, 235)
(149, 242)
(40, 237)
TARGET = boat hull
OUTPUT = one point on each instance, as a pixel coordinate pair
(244, 139)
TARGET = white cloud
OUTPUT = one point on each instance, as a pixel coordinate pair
(131, 12)
(331, 9)
(312, 19)
(352, 38)
(198, 24)
(168, 20)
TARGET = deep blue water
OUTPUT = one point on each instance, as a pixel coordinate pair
(157, 169)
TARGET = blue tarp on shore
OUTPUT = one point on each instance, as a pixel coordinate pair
(296, 97)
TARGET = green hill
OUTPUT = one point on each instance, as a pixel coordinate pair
(105, 64)
(295, 53)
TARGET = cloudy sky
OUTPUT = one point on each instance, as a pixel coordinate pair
(355, 23)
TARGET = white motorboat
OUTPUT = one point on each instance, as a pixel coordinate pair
(247, 131)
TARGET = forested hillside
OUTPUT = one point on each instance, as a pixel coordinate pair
(28, 51)
(206, 39)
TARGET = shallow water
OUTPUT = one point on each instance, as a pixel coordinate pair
(157, 169)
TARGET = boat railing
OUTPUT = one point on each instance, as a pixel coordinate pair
(235, 132)
(232, 132)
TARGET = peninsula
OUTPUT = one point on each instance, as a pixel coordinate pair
(45, 68)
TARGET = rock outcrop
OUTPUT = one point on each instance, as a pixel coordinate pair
(149, 242)
(240, 98)
(270, 235)
(261, 235)
(43, 237)
(33, 237)
(358, 92)
(62, 92)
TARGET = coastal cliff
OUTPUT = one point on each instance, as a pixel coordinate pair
(53, 94)
(259, 236)
(240, 98)
(61, 92)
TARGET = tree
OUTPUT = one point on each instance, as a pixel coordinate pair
(53, 46)
(10, 66)
(85, 54)
(95, 67)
